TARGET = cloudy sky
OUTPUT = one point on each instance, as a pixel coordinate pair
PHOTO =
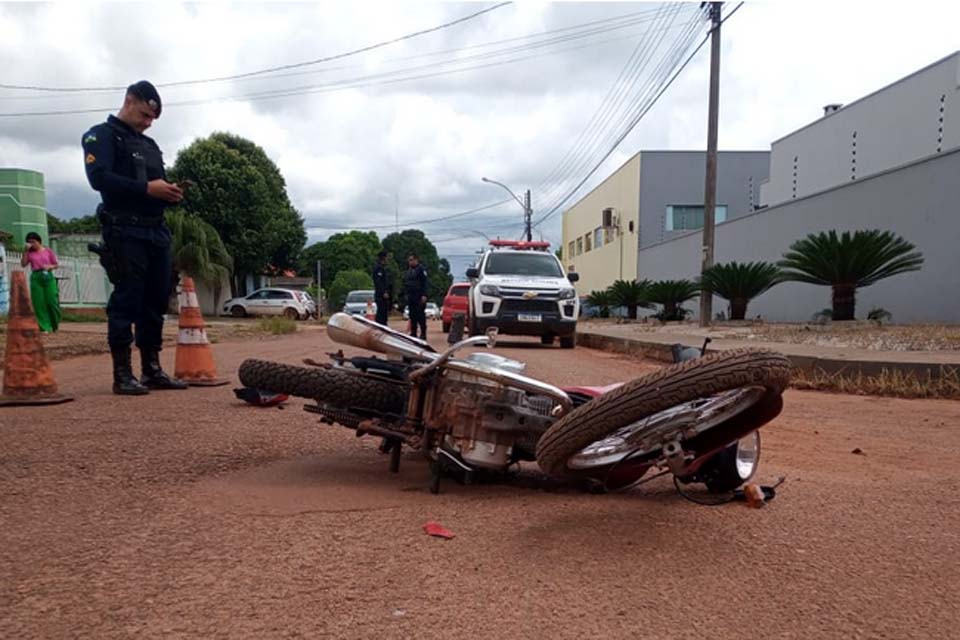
(531, 94)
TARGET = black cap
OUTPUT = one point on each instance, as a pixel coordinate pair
(148, 93)
(382, 254)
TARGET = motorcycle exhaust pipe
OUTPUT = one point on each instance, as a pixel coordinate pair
(360, 332)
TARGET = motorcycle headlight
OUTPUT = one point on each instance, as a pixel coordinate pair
(748, 455)
(566, 294)
(490, 290)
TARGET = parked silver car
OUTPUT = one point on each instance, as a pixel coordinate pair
(356, 301)
(289, 303)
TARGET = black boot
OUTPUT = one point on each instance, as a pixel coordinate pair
(153, 376)
(124, 384)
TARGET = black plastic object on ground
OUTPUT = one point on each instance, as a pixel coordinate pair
(456, 329)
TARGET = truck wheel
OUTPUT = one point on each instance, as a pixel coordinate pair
(547, 339)
(237, 311)
(568, 342)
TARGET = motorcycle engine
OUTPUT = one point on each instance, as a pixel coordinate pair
(488, 424)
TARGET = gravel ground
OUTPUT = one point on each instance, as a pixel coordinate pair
(190, 514)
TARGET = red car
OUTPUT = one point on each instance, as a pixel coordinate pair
(456, 301)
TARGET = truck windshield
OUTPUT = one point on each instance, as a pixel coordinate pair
(523, 264)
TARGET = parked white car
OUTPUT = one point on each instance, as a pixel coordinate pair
(289, 303)
(431, 311)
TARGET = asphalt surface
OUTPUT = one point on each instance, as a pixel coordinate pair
(191, 514)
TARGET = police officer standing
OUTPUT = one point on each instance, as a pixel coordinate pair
(415, 286)
(126, 167)
(382, 288)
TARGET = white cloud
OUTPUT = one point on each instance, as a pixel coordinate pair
(347, 155)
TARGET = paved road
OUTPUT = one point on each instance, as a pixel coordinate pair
(189, 514)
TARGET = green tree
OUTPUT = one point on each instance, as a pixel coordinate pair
(344, 283)
(847, 262)
(629, 294)
(340, 252)
(602, 300)
(401, 244)
(241, 193)
(83, 224)
(198, 251)
(671, 294)
(739, 283)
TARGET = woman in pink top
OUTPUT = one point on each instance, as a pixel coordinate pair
(44, 293)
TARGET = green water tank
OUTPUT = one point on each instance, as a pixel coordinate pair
(23, 204)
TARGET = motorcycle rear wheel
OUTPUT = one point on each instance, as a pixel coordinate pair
(686, 383)
(328, 385)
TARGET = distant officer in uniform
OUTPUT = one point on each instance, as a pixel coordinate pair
(415, 286)
(126, 167)
(382, 288)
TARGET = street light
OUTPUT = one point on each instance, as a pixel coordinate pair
(525, 204)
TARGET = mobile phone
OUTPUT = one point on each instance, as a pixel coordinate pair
(183, 184)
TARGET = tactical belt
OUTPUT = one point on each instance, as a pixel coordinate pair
(126, 219)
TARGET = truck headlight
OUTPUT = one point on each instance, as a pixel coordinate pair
(490, 290)
(566, 294)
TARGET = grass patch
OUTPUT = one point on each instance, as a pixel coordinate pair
(68, 316)
(896, 384)
(277, 326)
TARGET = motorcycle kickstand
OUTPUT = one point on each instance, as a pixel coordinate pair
(393, 447)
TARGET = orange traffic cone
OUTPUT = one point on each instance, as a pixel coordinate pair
(27, 376)
(194, 356)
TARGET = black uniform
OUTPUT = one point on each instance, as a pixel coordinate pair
(383, 291)
(119, 162)
(415, 286)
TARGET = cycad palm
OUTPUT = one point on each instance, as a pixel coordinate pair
(601, 300)
(629, 294)
(847, 262)
(671, 294)
(198, 251)
(739, 283)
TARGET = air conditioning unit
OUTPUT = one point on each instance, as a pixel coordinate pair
(607, 217)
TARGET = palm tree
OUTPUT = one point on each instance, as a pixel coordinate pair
(198, 251)
(602, 300)
(629, 294)
(739, 283)
(671, 294)
(847, 262)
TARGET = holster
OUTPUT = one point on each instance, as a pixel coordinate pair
(112, 263)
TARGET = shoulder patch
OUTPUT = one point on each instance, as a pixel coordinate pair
(91, 158)
(90, 137)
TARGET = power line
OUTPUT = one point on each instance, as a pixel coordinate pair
(279, 68)
(385, 78)
(634, 122)
(621, 21)
(411, 222)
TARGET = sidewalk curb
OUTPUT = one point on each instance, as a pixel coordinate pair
(846, 368)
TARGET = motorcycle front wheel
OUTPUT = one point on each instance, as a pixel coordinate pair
(697, 401)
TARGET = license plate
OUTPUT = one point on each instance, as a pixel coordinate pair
(529, 317)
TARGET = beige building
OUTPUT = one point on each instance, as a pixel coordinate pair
(652, 198)
(602, 254)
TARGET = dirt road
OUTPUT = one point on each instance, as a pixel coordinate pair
(190, 514)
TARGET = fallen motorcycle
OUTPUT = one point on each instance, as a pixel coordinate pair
(696, 419)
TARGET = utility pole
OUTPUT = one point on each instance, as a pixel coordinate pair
(527, 215)
(710, 190)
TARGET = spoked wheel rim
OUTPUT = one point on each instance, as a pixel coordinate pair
(680, 422)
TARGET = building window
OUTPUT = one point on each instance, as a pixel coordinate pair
(579, 246)
(608, 235)
(586, 242)
(570, 249)
(598, 237)
(682, 217)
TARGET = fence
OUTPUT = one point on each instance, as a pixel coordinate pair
(82, 281)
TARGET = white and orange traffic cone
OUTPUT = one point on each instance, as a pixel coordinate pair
(27, 375)
(194, 356)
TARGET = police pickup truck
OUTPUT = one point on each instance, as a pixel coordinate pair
(520, 288)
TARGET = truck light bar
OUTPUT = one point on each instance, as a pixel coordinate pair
(520, 244)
